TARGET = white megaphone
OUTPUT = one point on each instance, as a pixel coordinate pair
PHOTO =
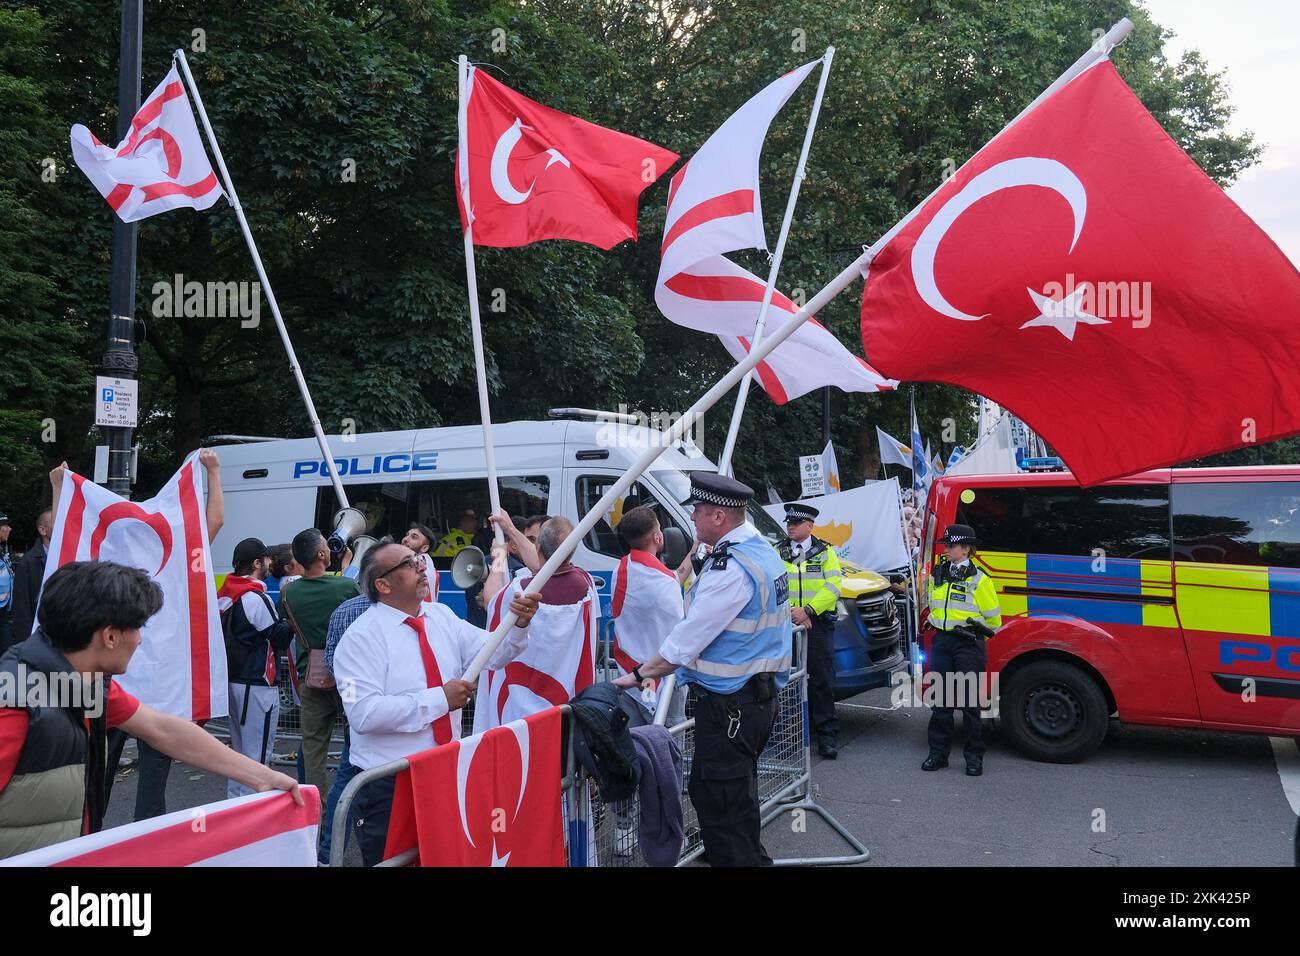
(360, 545)
(468, 568)
(348, 523)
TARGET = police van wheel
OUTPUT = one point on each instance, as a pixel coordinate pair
(1054, 712)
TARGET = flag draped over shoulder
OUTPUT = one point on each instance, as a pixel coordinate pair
(714, 208)
(160, 165)
(533, 173)
(1084, 272)
(180, 665)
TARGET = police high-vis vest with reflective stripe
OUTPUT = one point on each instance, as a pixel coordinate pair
(815, 575)
(953, 602)
(758, 639)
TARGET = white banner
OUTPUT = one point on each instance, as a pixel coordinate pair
(864, 524)
(261, 829)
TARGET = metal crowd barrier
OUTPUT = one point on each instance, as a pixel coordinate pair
(600, 834)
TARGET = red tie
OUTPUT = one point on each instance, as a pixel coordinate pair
(432, 678)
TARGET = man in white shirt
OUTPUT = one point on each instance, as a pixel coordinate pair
(396, 668)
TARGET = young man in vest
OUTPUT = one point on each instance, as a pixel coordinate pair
(815, 575)
(255, 637)
(960, 594)
(733, 649)
(647, 600)
(53, 746)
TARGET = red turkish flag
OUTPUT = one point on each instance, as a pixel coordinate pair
(492, 799)
(534, 173)
(1084, 272)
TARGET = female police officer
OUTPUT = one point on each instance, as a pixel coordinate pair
(963, 608)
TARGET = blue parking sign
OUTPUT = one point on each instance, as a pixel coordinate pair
(108, 395)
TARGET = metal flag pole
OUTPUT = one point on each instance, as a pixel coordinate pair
(233, 199)
(756, 354)
(471, 280)
(724, 463)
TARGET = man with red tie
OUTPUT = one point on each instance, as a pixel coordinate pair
(397, 669)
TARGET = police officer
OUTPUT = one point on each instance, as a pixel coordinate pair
(733, 651)
(814, 571)
(963, 611)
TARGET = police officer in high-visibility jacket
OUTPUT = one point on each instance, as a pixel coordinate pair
(963, 611)
(814, 571)
(733, 651)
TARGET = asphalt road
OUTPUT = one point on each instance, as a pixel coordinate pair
(1148, 797)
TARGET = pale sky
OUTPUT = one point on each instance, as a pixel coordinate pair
(1257, 43)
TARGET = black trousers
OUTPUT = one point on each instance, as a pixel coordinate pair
(372, 809)
(151, 769)
(954, 655)
(821, 682)
(724, 773)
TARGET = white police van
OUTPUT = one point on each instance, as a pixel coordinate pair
(276, 488)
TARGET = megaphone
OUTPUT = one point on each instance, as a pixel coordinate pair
(469, 568)
(360, 545)
(348, 523)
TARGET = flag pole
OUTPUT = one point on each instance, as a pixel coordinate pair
(756, 354)
(724, 462)
(471, 281)
(233, 199)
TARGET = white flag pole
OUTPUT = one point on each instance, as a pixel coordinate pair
(756, 354)
(233, 199)
(724, 463)
(471, 280)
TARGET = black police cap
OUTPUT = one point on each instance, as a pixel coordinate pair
(719, 490)
(797, 512)
(959, 534)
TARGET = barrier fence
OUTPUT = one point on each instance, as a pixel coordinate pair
(601, 834)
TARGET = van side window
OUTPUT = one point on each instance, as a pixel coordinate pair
(1245, 522)
(391, 507)
(604, 538)
(1130, 521)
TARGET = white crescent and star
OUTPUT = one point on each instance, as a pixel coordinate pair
(501, 164)
(465, 757)
(1061, 314)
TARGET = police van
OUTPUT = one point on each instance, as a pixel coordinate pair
(563, 466)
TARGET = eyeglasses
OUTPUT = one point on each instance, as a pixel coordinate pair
(410, 561)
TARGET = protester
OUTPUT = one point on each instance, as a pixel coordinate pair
(308, 603)
(29, 571)
(340, 621)
(420, 540)
(521, 553)
(6, 582)
(733, 649)
(53, 773)
(562, 648)
(254, 635)
(647, 600)
(284, 569)
(397, 668)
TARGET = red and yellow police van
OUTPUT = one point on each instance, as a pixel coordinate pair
(1167, 598)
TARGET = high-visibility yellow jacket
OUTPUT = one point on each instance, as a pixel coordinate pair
(952, 602)
(452, 543)
(815, 577)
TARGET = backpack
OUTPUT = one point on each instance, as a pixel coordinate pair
(234, 650)
(602, 716)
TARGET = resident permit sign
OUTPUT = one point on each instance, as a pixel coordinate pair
(115, 402)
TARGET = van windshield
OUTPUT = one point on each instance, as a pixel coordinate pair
(677, 483)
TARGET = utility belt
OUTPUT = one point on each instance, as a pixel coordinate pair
(972, 629)
(759, 688)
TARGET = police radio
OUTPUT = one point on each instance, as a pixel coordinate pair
(945, 571)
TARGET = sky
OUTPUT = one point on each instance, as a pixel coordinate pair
(1257, 43)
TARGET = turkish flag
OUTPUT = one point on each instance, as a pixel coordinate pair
(492, 799)
(1084, 272)
(529, 172)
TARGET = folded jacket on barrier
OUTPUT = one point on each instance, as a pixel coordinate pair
(661, 829)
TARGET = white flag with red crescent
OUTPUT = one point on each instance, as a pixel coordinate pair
(160, 165)
(180, 665)
(714, 208)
